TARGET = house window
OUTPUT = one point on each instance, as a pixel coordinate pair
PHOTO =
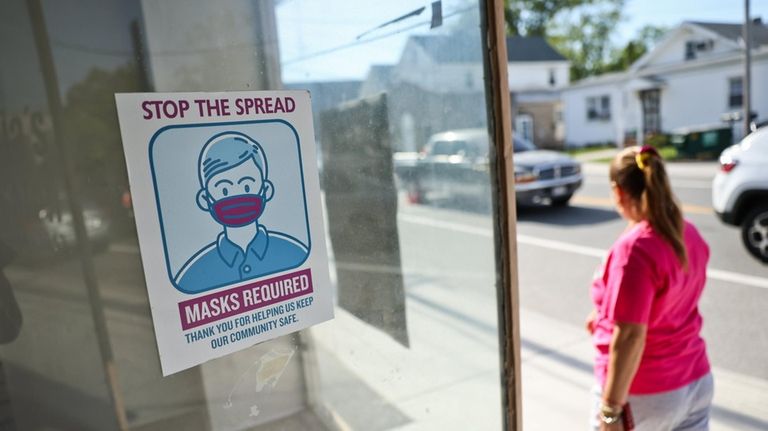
(552, 80)
(735, 92)
(651, 101)
(690, 50)
(599, 108)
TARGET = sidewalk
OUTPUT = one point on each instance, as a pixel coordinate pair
(704, 171)
(558, 368)
(595, 163)
(448, 377)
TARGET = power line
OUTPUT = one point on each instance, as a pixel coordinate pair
(373, 39)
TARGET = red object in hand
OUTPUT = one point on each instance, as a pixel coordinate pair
(627, 420)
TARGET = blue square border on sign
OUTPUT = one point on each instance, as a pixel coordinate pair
(163, 230)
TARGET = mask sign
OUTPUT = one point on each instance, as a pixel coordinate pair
(226, 198)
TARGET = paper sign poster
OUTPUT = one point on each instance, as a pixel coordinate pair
(226, 197)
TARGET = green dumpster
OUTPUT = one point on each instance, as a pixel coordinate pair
(703, 141)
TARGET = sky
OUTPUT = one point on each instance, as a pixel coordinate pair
(318, 38)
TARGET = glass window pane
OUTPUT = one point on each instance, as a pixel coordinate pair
(415, 340)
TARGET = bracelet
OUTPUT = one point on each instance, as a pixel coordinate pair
(610, 414)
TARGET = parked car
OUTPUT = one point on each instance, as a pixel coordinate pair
(740, 191)
(454, 165)
(50, 232)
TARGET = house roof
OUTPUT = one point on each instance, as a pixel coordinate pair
(327, 94)
(531, 49)
(734, 32)
(729, 31)
(380, 72)
(464, 49)
(379, 79)
(606, 78)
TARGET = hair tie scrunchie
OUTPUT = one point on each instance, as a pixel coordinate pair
(645, 154)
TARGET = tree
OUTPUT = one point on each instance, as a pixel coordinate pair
(534, 17)
(579, 29)
(93, 136)
(647, 37)
(586, 42)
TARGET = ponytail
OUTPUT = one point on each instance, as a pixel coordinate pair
(640, 173)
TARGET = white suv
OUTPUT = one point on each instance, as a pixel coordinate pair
(740, 191)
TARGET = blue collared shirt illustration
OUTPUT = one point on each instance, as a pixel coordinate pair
(235, 190)
(222, 262)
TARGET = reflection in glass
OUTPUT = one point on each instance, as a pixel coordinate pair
(415, 340)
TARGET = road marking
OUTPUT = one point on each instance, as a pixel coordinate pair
(608, 203)
(561, 246)
(456, 227)
(735, 277)
(691, 184)
(712, 273)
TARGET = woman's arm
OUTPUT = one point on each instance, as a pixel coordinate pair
(626, 350)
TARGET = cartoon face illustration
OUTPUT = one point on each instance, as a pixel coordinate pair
(236, 196)
(235, 190)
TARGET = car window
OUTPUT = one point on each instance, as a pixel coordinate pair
(462, 148)
(442, 148)
(522, 145)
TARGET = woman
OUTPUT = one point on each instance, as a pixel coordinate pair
(651, 361)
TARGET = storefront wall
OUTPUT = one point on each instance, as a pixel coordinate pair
(414, 343)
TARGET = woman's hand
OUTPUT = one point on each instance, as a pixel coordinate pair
(612, 427)
(589, 323)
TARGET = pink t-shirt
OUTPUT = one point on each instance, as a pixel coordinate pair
(643, 282)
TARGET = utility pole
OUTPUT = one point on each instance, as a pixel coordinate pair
(747, 83)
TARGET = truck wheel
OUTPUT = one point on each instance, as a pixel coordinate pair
(754, 232)
(561, 201)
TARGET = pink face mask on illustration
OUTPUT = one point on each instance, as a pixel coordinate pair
(240, 210)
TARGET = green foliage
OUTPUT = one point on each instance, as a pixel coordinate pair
(589, 149)
(581, 30)
(622, 58)
(669, 153)
(532, 17)
(92, 133)
(586, 40)
(658, 140)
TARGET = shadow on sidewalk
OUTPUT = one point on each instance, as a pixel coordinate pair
(719, 413)
(565, 216)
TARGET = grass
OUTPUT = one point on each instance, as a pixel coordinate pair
(668, 153)
(588, 149)
(605, 160)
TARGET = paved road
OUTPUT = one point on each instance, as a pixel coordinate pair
(559, 249)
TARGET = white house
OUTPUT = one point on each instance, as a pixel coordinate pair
(532, 64)
(445, 74)
(692, 77)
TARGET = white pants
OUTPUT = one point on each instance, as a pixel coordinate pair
(684, 409)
